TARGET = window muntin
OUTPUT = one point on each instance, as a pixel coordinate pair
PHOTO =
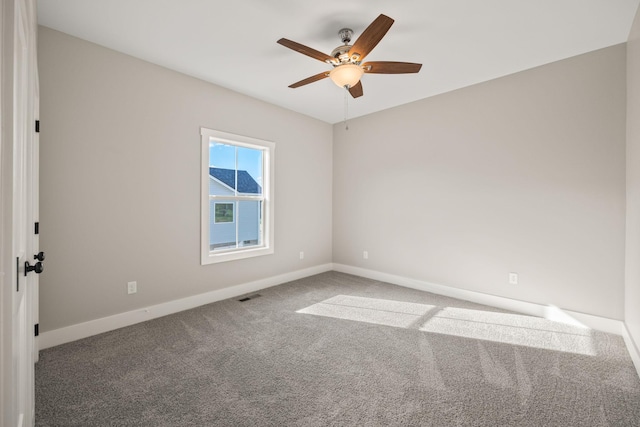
(237, 196)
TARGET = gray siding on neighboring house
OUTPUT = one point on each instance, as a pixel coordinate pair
(216, 187)
(249, 221)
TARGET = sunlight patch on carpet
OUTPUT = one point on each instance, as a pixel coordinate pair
(504, 328)
(511, 329)
(370, 310)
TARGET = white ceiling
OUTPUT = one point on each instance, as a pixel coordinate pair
(233, 43)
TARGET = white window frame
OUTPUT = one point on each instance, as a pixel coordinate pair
(268, 161)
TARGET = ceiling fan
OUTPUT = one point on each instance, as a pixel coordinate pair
(347, 59)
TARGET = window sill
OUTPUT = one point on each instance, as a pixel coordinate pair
(214, 258)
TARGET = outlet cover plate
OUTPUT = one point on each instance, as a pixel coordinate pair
(132, 287)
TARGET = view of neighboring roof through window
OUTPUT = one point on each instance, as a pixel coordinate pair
(246, 183)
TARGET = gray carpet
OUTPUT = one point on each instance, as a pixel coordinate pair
(339, 350)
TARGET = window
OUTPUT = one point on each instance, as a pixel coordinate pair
(223, 212)
(237, 197)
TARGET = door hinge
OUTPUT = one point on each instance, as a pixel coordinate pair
(36, 228)
(17, 275)
(36, 329)
(37, 126)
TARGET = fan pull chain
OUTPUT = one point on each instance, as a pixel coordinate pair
(346, 107)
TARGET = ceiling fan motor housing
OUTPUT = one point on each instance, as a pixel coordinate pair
(345, 35)
(341, 53)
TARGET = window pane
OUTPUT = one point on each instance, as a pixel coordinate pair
(226, 234)
(222, 164)
(249, 171)
(249, 223)
(222, 233)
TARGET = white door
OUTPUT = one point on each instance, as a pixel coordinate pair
(19, 209)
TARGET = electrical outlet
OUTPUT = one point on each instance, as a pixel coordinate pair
(365, 255)
(132, 287)
(301, 255)
(513, 278)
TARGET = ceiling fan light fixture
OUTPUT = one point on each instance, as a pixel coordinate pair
(346, 75)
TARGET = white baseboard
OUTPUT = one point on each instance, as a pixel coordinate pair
(548, 312)
(634, 352)
(110, 323)
(105, 324)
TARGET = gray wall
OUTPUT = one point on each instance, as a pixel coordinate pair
(632, 296)
(522, 174)
(120, 182)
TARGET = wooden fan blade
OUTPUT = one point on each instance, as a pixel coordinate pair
(370, 37)
(305, 50)
(356, 91)
(311, 79)
(390, 67)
